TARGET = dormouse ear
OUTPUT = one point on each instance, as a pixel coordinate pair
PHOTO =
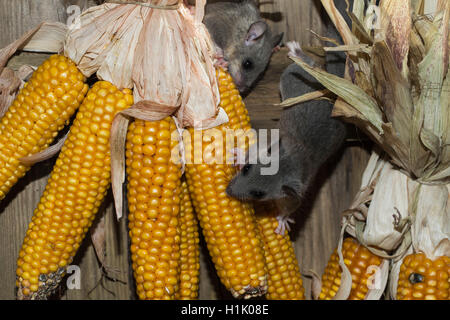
(293, 189)
(255, 32)
(276, 40)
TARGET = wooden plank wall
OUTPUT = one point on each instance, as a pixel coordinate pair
(317, 227)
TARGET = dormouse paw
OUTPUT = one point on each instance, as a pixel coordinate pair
(283, 224)
(219, 59)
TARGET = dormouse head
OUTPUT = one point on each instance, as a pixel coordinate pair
(249, 59)
(290, 180)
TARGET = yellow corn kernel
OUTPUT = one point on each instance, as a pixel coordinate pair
(358, 260)
(228, 225)
(74, 192)
(285, 280)
(154, 190)
(421, 278)
(42, 108)
(189, 248)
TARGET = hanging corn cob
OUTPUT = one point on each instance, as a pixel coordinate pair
(154, 190)
(229, 226)
(284, 278)
(41, 109)
(189, 248)
(360, 262)
(421, 278)
(73, 194)
(424, 274)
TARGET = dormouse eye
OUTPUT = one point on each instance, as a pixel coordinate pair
(245, 169)
(257, 194)
(247, 64)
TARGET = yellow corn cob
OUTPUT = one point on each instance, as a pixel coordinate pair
(358, 259)
(189, 248)
(73, 194)
(284, 278)
(423, 279)
(154, 190)
(284, 281)
(40, 110)
(228, 225)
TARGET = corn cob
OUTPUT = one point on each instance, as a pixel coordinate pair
(228, 225)
(154, 190)
(358, 259)
(284, 281)
(73, 194)
(189, 248)
(284, 278)
(423, 279)
(40, 110)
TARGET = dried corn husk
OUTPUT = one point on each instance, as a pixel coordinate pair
(396, 96)
(397, 89)
(165, 56)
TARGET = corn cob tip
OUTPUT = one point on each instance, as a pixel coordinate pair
(249, 291)
(47, 285)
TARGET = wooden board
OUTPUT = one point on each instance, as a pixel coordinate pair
(317, 226)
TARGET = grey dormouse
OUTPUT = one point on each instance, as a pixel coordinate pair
(308, 137)
(244, 41)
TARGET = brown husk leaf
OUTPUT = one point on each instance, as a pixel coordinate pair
(165, 56)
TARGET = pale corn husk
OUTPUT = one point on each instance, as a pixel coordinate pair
(389, 209)
(430, 230)
(386, 97)
(431, 227)
(397, 89)
(165, 56)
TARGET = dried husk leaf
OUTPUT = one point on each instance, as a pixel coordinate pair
(346, 277)
(143, 110)
(432, 72)
(395, 29)
(117, 142)
(45, 154)
(359, 28)
(389, 208)
(441, 5)
(338, 20)
(426, 30)
(12, 48)
(380, 277)
(165, 56)
(49, 38)
(304, 98)
(350, 93)
(431, 227)
(98, 237)
(344, 110)
(393, 92)
(416, 55)
(358, 11)
(316, 285)
(353, 48)
(9, 87)
(418, 6)
(394, 274)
